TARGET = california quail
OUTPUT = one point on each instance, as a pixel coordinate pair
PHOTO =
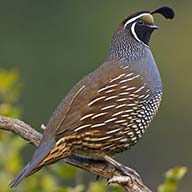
(109, 110)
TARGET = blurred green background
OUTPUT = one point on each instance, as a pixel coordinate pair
(54, 43)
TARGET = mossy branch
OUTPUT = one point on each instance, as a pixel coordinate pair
(120, 174)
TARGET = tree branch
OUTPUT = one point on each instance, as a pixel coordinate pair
(114, 173)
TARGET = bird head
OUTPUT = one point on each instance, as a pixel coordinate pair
(141, 24)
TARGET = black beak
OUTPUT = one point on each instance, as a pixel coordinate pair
(154, 26)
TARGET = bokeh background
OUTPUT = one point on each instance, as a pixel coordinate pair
(52, 44)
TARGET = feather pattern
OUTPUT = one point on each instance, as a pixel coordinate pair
(110, 109)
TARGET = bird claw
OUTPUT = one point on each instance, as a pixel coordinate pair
(130, 182)
(43, 126)
(122, 180)
(126, 170)
(132, 172)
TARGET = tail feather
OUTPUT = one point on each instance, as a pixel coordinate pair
(41, 152)
(28, 170)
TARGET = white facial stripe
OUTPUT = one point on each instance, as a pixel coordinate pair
(135, 35)
(135, 18)
(133, 32)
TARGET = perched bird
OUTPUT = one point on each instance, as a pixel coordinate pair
(109, 110)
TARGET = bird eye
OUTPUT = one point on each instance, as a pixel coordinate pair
(140, 22)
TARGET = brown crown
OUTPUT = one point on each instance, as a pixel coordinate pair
(132, 15)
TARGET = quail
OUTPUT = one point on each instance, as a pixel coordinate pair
(109, 110)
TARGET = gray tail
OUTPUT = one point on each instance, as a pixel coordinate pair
(24, 173)
(41, 152)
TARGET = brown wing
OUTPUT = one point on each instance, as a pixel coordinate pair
(70, 110)
(99, 116)
(101, 107)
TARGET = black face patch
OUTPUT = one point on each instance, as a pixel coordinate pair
(143, 31)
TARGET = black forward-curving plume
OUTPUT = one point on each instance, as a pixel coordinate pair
(167, 12)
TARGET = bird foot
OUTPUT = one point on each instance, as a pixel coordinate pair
(131, 172)
(121, 180)
(124, 169)
(43, 126)
(130, 182)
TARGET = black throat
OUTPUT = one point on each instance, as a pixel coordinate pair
(143, 33)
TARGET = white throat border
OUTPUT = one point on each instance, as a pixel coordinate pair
(133, 26)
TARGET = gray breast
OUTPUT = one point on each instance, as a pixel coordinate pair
(146, 67)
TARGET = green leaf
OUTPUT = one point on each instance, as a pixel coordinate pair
(172, 179)
(116, 188)
(97, 186)
(79, 188)
(64, 171)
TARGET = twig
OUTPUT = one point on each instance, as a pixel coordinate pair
(20, 128)
(114, 174)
